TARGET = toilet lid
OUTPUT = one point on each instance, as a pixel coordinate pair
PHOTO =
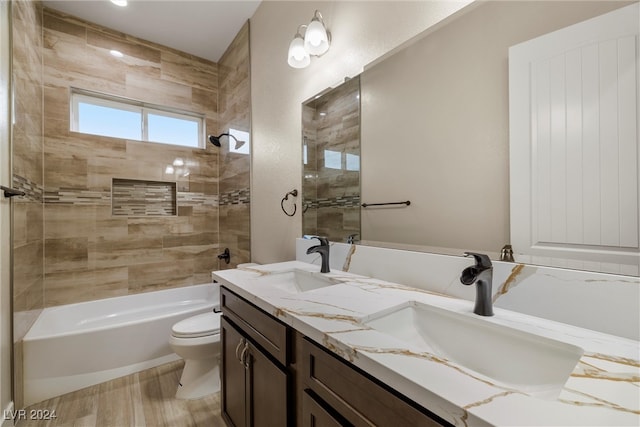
(197, 326)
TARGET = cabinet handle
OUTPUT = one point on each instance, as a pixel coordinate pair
(243, 356)
(238, 349)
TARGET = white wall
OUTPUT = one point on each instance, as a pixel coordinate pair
(361, 32)
(5, 225)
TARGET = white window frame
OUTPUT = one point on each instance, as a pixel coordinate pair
(126, 104)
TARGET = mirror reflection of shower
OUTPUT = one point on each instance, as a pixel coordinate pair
(331, 162)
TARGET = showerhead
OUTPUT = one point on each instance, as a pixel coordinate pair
(215, 140)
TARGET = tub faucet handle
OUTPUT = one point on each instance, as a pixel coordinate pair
(226, 256)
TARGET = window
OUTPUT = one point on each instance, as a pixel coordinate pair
(340, 160)
(105, 115)
(332, 159)
(353, 162)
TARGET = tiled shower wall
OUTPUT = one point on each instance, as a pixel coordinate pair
(68, 245)
(331, 123)
(234, 99)
(27, 147)
(89, 252)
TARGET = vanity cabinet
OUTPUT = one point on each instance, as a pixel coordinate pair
(255, 378)
(335, 393)
(273, 376)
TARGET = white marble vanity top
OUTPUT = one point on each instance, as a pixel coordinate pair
(602, 390)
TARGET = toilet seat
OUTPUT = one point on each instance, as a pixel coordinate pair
(200, 325)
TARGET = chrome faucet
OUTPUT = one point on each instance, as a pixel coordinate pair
(482, 275)
(323, 250)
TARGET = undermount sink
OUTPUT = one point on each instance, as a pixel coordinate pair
(296, 281)
(505, 356)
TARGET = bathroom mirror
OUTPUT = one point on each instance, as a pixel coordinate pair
(435, 132)
(331, 163)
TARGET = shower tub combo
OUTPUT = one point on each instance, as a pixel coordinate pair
(74, 346)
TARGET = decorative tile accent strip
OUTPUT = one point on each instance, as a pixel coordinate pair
(236, 197)
(350, 201)
(143, 198)
(33, 191)
(187, 198)
(78, 196)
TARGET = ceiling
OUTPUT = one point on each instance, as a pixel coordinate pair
(204, 28)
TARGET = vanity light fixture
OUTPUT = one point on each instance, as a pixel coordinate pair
(315, 42)
(316, 38)
(298, 56)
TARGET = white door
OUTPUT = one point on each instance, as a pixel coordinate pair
(574, 157)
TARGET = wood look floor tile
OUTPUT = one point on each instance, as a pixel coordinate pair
(143, 399)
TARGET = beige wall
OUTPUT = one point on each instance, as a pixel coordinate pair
(435, 119)
(361, 32)
(90, 253)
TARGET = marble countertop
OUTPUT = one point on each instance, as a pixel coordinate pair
(603, 389)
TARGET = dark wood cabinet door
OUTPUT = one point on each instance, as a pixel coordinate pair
(268, 391)
(233, 378)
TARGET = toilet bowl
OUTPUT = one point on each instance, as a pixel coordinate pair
(197, 340)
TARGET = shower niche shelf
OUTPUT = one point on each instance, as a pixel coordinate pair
(132, 197)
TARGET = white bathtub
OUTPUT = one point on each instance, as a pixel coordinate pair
(73, 346)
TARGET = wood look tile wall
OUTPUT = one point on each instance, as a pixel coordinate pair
(68, 246)
(235, 168)
(27, 161)
(90, 253)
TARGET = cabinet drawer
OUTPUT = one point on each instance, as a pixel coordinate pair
(315, 414)
(263, 329)
(360, 400)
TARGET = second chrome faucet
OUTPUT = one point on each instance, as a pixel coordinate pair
(482, 275)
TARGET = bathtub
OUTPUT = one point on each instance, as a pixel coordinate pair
(74, 346)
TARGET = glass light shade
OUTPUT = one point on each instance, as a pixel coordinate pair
(298, 56)
(316, 41)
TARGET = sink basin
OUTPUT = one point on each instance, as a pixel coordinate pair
(296, 281)
(502, 355)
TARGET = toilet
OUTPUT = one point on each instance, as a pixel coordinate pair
(197, 340)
